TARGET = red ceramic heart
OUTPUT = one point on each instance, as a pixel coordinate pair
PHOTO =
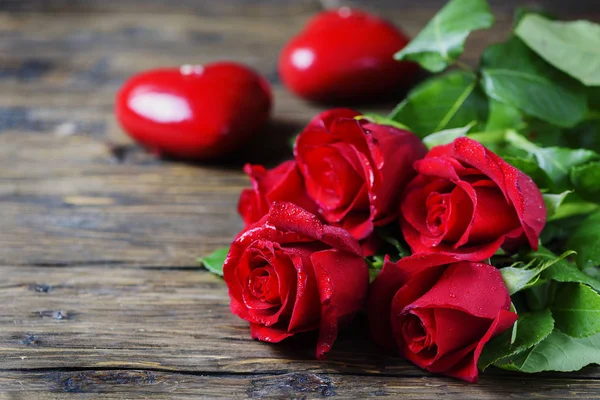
(345, 55)
(194, 112)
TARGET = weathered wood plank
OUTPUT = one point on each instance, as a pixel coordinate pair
(116, 317)
(300, 385)
(111, 316)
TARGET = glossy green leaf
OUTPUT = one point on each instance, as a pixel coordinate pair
(383, 120)
(557, 352)
(449, 101)
(503, 116)
(520, 276)
(586, 180)
(214, 261)
(576, 310)
(532, 328)
(555, 161)
(573, 47)
(572, 209)
(593, 94)
(442, 40)
(446, 136)
(515, 75)
(553, 202)
(585, 240)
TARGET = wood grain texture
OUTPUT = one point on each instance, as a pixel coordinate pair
(99, 288)
(118, 384)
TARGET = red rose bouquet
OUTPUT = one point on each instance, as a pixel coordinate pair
(466, 223)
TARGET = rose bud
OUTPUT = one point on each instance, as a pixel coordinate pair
(439, 311)
(282, 183)
(469, 202)
(290, 273)
(356, 170)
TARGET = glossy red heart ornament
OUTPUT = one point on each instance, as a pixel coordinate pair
(345, 55)
(194, 112)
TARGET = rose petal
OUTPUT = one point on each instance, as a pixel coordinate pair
(493, 218)
(250, 206)
(307, 309)
(326, 118)
(457, 329)
(343, 281)
(394, 152)
(473, 288)
(462, 364)
(515, 185)
(271, 334)
(282, 183)
(468, 253)
(389, 281)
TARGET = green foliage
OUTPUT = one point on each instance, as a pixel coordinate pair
(515, 75)
(586, 180)
(534, 101)
(585, 240)
(214, 261)
(442, 40)
(446, 136)
(449, 101)
(557, 352)
(533, 327)
(576, 310)
(575, 45)
(521, 276)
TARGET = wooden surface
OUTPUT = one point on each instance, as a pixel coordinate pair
(99, 289)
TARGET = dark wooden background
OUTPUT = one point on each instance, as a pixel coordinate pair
(99, 288)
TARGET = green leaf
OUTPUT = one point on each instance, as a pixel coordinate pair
(449, 101)
(576, 310)
(557, 352)
(555, 161)
(503, 116)
(571, 209)
(564, 271)
(543, 133)
(573, 47)
(214, 261)
(553, 202)
(521, 12)
(585, 240)
(593, 94)
(446, 136)
(382, 120)
(533, 327)
(515, 75)
(586, 180)
(585, 135)
(375, 264)
(520, 276)
(442, 40)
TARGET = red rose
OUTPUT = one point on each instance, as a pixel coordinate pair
(290, 273)
(282, 183)
(356, 170)
(440, 313)
(469, 202)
